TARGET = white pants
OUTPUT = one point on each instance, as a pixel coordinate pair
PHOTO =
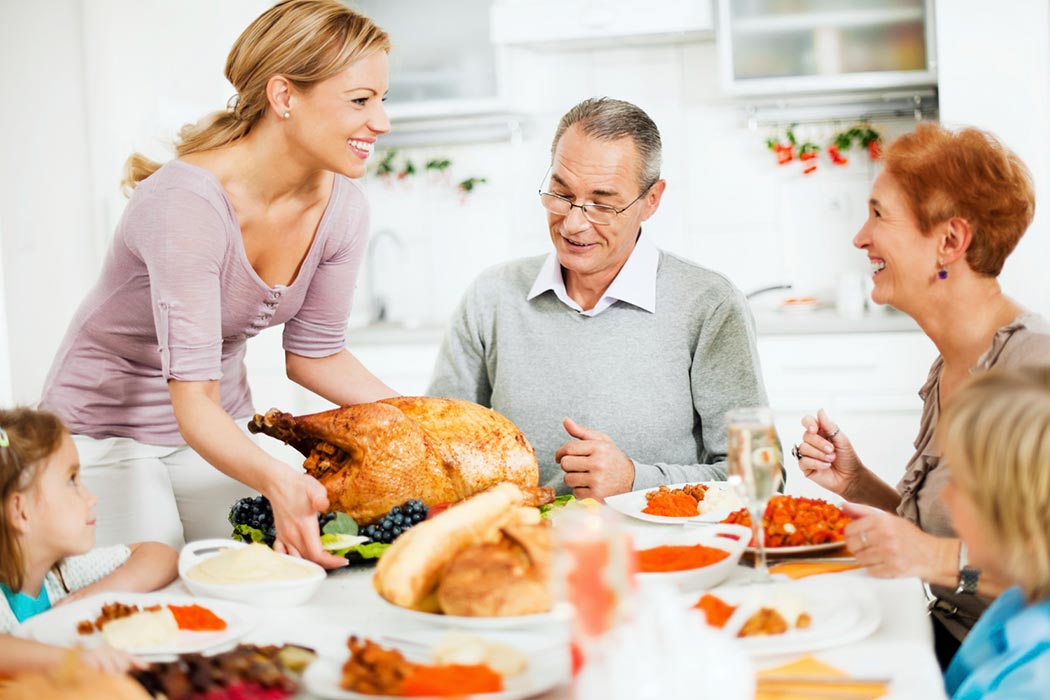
(155, 492)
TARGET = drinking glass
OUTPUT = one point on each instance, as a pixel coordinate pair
(593, 573)
(754, 469)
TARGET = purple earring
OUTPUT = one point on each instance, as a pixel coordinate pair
(942, 274)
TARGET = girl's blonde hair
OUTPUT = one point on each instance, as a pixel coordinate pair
(306, 41)
(995, 433)
(31, 436)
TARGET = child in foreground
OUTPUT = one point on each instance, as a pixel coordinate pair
(995, 435)
(47, 535)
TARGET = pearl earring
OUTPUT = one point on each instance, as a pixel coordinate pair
(287, 115)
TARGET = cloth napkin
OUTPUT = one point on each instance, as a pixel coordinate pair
(776, 684)
(803, 568)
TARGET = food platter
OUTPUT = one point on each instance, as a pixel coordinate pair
(548, 666)
(58, 626)
(841, 613)
(538, 621)
(632, 503)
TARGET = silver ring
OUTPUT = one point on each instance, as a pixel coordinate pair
(833, 433)
(864, 539)
(795, 452)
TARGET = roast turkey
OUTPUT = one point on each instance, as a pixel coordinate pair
(374, 456)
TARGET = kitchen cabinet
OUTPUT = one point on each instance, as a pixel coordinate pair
(867, 382)
(771, 47)
(442, 61)
(589, 23)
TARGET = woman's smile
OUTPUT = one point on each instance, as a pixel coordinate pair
(362, 148)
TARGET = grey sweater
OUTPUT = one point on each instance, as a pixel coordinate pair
(658, 384)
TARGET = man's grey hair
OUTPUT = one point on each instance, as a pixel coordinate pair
(608, 119)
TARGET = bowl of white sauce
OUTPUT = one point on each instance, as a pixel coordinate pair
(248, 573)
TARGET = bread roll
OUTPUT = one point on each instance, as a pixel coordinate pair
(72, 680)
(503, 579)
(409, 571)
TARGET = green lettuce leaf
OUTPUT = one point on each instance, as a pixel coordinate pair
(368, 550)
(342, 525)
(559, 502)
(256, 535)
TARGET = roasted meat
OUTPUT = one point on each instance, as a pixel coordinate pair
(374, 456)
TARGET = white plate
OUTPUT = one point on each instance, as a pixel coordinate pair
(801, 549)
(548, 667)
(537, 621)
(58, 626)
(842, 611)
(632, 503)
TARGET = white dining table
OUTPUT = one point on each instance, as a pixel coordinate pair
(901, 648)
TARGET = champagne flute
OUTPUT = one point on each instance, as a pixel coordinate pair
(754, 469)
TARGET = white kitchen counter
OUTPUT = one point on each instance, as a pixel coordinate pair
(828, 320)
(767, 322)
(385, 333)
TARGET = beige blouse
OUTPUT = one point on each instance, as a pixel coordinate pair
(1024, 341)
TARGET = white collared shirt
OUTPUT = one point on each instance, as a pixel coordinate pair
(635, 284)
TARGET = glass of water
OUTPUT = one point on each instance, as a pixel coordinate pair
(754, 469)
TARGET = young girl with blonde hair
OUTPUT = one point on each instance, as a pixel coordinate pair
(47, 535)
(257, 222)
(995, 434)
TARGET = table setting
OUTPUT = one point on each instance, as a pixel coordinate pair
(719, 588)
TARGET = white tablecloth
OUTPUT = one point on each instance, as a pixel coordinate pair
(901, 648)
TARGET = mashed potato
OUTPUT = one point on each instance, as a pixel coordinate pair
(718, 497)
(255, 563)
(146, 629)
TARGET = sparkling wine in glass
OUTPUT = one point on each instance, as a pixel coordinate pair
(754, 469)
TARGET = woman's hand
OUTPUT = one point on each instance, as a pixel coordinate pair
(109, 660)
(891, 547)
(826, 456)
(296, 500)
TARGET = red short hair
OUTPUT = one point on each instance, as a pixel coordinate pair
(967, 173)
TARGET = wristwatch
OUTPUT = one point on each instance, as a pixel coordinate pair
(968, 575)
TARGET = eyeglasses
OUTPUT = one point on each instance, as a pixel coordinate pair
(598, 214)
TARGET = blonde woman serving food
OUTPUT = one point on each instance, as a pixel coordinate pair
(256, 223)
(944, 214)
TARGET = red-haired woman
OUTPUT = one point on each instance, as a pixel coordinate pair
(946, 211)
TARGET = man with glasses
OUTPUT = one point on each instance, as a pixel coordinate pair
(617, 360)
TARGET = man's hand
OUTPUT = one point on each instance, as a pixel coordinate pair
(296, 501)
(594, 466)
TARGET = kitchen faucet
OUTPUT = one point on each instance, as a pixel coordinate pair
(378, 303)
(763, 290)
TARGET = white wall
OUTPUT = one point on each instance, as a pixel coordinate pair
(994, 63)
(45, 209)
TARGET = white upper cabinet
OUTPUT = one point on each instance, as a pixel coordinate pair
(442, 61)
(770, 47)
(585, 23)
